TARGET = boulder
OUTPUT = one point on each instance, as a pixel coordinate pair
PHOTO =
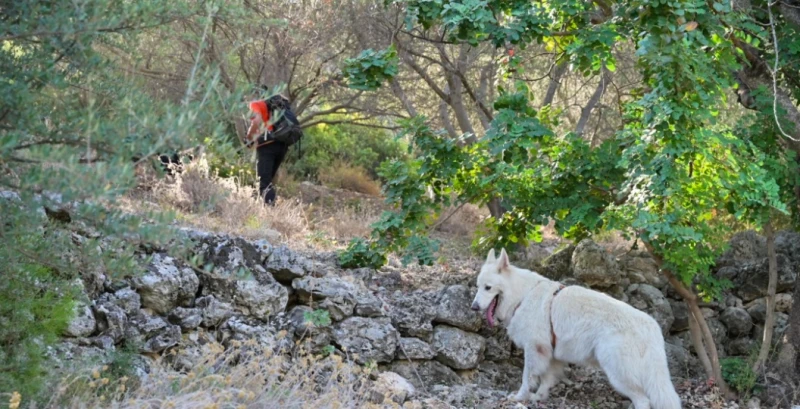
(368, 339)
(457, 348)
(213, 311)
(743, 247)
(787, 242)
(394, 387)
(166, 337)
(127, 299)
(415, 349)
(111, 320)
(424, 374)
(453, 308)
(340, 297)
(741, 346)
(558, 265)
(165, 286)
(758, 310)
(594, 266)
(498, 375)
(640, 268)
(678, 358)
(286, 265)
(750, 279)
(186, 318)
(737, 321)
(261, 298)
(498, 346)
(649, 299)
(83, 323)
(412, 313)
(261, 301)
(231, 254)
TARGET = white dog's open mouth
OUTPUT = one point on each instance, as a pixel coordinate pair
(490, 311)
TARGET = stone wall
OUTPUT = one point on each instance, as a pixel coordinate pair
(429, 336)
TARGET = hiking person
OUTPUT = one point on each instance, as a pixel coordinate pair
(277, 129)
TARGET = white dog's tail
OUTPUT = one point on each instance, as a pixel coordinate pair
(661, 393)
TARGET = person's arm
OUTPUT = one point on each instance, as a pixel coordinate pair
(255, 123)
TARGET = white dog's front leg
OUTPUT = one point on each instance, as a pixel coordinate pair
(524, 389)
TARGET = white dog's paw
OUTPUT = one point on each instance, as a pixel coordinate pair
(538, 398)
(520, 396)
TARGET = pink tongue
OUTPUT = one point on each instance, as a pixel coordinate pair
(490, 312)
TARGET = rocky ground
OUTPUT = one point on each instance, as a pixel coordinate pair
(413, 322)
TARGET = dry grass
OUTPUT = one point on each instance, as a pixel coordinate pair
(345, 176)
(247, 375)
(216, 204)
(461, 221)
(348, 222)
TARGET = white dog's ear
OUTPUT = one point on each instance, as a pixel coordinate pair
(502, 261)
(491, 258)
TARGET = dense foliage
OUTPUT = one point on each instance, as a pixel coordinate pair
(73, 127)
(668, 172)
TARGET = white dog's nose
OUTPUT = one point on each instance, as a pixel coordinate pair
(475, 306)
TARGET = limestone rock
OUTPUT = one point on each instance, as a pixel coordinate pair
(456, 348)
(647, 298)
(370, 339)
(415, 349)
(737, 321)
(453, 308)
(595, 267)
(165, 286)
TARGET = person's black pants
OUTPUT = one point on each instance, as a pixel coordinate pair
(270, 157)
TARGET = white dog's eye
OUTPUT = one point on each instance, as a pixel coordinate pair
(488, 288)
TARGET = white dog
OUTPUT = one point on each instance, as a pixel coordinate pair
(556, 325)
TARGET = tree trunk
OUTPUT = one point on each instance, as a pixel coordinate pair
(560, 70)
(766, 340)
(496, 208)
(708, 347)
(794, 327)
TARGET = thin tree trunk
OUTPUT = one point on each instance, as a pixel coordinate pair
(586, 112)
(555, 82)
(769, 326)
(697, 342)
(709, 346)
(794, 326)
(444, 115)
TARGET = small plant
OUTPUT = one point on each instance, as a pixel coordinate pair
(328, 350)
(361, 253)
(318, 318)
(738, 373)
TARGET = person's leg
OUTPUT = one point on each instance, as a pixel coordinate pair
(266, 163)
(277, 159)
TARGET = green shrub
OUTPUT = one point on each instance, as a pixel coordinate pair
(324, 145)
(738, 373)
(35, 308)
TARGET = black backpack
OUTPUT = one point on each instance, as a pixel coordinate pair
(287, 129)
